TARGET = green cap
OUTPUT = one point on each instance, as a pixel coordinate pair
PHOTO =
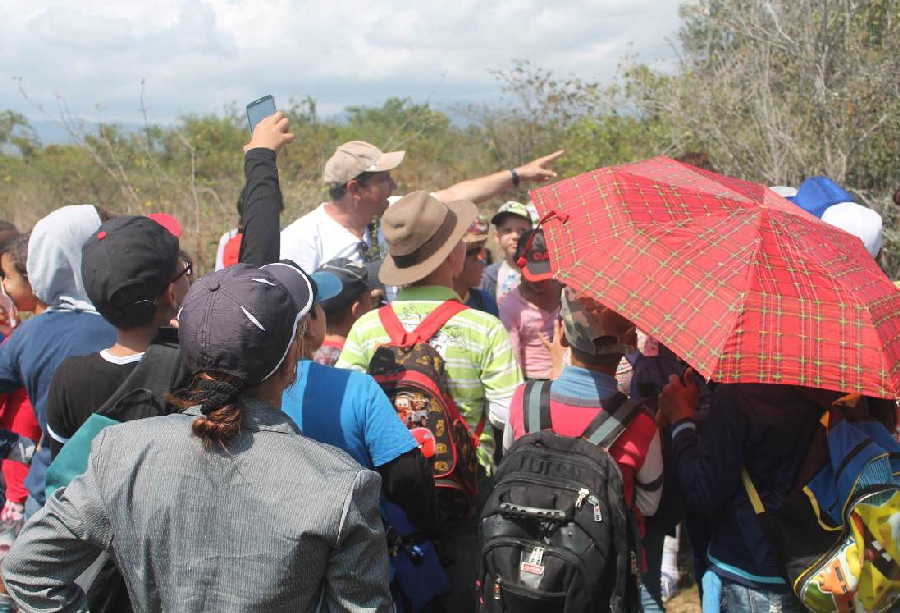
(511, 207)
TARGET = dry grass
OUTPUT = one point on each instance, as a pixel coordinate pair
(686, 601)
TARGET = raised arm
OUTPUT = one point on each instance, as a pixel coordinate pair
(484, 188)
(260, 204)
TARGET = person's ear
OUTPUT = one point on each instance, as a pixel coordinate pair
(167, 302)
(356, 309)
(289, 367)
(353, 187)
(170, 296)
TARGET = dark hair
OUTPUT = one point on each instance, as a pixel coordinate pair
(136, 311)
(131, 308)
(216, 393)
(606, 361)
(103, 214)
(338, 314)
(897, 197)
(19, 253)
(336, 191)
(8, 235)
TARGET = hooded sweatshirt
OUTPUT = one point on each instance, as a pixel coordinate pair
(70, 326)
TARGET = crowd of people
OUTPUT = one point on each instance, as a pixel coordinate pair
(323, 422)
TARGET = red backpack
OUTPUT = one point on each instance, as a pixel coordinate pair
(412, 374)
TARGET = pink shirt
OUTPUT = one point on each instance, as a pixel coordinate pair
(525, 322)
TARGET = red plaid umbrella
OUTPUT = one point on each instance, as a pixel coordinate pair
(742, 284)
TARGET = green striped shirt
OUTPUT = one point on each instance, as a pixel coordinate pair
(481, 366)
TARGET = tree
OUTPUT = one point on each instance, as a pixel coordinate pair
(778, 90)
(17, 132)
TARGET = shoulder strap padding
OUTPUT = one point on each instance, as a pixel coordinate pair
(609, 424)
(536, 406)
(428, 327)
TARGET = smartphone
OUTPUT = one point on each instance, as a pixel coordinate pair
(259, 109)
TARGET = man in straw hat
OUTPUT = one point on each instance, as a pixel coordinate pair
(426, 253)
(360, 185)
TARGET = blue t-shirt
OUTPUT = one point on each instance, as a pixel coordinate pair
(349, 410)
(30, 358)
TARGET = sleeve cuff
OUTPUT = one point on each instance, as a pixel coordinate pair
(260, 152)
(683, 426)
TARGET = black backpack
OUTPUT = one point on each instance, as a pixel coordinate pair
(556, 532)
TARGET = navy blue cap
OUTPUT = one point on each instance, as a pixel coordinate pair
(241, 320)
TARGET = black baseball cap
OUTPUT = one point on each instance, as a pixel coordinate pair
(532, 256)
(241, 320)
(355, 279)
(126, 264)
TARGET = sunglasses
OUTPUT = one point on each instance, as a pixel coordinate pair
(187, 271)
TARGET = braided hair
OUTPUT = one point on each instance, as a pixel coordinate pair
(215, 393)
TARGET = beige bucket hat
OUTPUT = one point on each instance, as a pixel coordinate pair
(421, 231)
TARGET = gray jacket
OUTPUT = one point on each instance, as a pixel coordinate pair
(278, 522)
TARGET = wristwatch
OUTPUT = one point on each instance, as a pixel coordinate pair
(515, 177)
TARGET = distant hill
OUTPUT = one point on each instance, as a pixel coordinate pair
(55, 133)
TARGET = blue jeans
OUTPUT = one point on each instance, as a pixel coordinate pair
(648, 601)
(737, 598)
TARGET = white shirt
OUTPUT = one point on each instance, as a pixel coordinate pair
(316, 238)
(508, 278)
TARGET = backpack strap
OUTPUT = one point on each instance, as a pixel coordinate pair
(617, 414)
(425, 330)
(755, 501)
(536, 406)
(392, 325)
(767, 524)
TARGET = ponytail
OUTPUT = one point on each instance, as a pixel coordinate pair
(216, 394)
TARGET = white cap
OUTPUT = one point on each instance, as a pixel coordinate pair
(785, 191)
(860, 221)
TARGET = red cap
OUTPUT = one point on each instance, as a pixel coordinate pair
(168, 222)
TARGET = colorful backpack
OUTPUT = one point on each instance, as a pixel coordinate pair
(412, 374)
(837, 534)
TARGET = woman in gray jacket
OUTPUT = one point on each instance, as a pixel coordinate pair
(225, 506)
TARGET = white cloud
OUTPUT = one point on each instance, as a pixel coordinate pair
(197, 56)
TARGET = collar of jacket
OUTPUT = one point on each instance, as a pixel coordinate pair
(257, 415)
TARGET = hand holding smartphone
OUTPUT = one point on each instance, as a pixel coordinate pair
(259, 109)
(269, 128)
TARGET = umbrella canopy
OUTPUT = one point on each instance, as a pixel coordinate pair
(742, 284)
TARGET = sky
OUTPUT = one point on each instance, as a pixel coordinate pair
(91, 57)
